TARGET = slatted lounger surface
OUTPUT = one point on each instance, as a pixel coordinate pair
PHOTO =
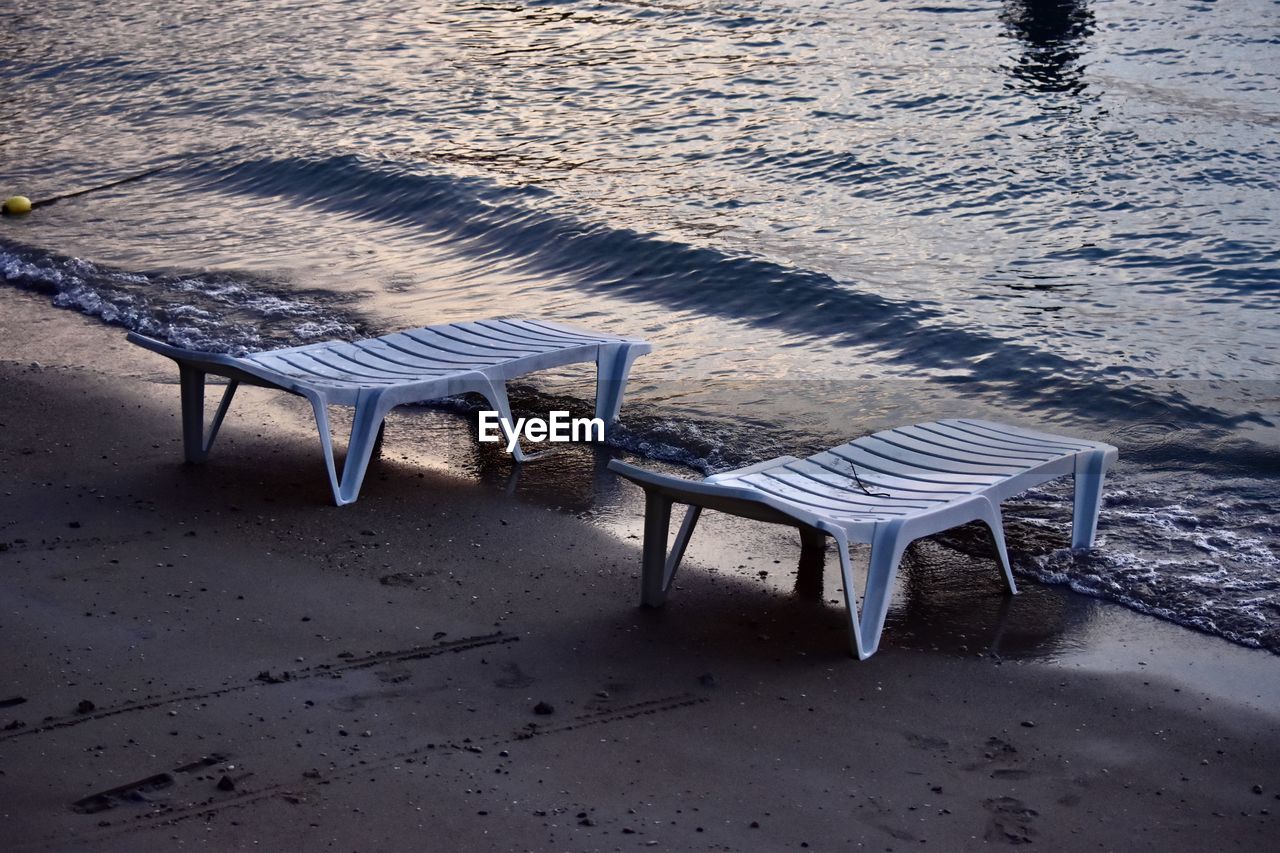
(924, 478)
(413, 366)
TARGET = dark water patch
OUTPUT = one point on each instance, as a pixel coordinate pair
(949, 10)
(1053, 35)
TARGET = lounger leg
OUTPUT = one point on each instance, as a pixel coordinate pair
(992, 517)
(672, 564)
(654, 576)
(613, 365)
(850, 598)
(657, 521)
(813, 546)
(1091, 470)
(887, 545)
(320, 406)
(366, 427)
(364, 430)
(813, 557)
(194, 444)
(192, 383)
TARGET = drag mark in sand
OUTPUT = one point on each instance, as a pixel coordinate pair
(627, 712)
(137, 791)
(346, 663)
(294, 792)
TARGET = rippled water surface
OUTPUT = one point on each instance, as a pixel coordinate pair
(830, 218)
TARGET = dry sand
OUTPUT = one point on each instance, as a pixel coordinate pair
(215, 656)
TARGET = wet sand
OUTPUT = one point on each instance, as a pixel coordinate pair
(216, 656)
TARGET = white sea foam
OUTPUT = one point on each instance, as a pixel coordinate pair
(214, 312)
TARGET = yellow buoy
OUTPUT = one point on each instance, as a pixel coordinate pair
(16, 204)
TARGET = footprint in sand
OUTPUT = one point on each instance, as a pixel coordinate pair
(1010, 821)
(1010, 773)
(926, 741)
(513, 677)
(1000, 758)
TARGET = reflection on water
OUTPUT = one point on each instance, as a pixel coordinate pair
(1053, 34)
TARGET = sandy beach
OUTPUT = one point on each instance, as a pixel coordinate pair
(215, 656)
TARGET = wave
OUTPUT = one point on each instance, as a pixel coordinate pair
(512, 228)
(232, 312)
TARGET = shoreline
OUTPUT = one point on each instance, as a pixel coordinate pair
(232, 605)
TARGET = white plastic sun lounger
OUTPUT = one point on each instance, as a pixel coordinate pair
(412, 366)
(887, 490)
